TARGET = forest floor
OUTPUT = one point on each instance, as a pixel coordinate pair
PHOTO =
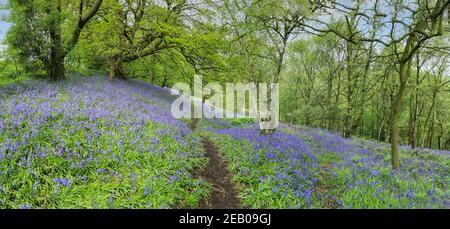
(224, 194)
(89, 143)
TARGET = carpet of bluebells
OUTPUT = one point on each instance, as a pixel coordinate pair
(272, 171)
(88, 143)
(358, 173)
(309, 168)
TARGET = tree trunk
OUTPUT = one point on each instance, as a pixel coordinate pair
(121, 74)
(116, 69)
(431, 134)
(112, 70)
(395, 113)
(16, 67)
(413, 126)
(336, 102)
(55, 66)
(329, 105)
(275, 80)
(447, 144)
(380, 131)
(440, 135)
(267, 131)
(415, 108)
(348, 119)
(427, 120)
(57, 70)
(393, 127)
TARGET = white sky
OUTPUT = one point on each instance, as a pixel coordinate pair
(4, 26)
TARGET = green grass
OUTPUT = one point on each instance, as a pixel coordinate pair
(74, 161)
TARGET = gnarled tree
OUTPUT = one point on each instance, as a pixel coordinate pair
(44, 32)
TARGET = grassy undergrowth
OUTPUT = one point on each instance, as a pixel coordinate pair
(87, 143)
(307, 168)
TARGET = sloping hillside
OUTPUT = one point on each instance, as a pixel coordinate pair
(88, 143)
(300, 167)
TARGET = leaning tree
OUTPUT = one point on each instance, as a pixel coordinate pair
(407, 27)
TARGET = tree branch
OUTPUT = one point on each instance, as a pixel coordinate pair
(82, 21)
